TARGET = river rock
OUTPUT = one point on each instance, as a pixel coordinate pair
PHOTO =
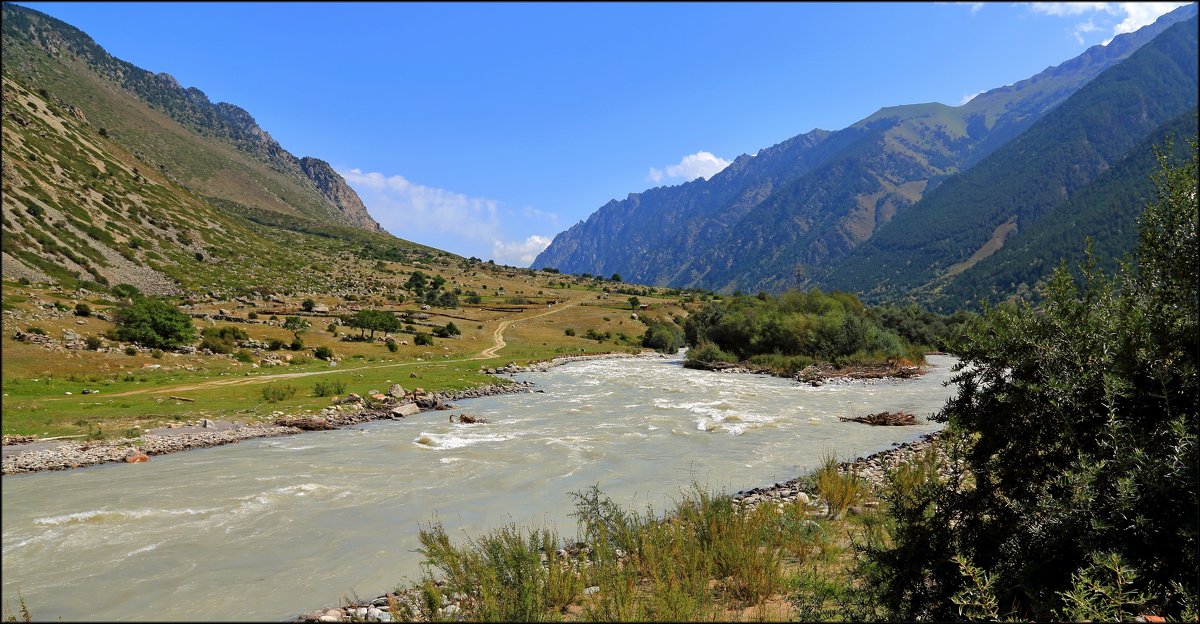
(136, 457)
(405, 409)
(396, 391)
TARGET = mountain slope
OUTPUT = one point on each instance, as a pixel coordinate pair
(217, 149)
(770, 223)
(949, 231)
(101, 187)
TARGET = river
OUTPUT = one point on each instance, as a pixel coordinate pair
(269, 528)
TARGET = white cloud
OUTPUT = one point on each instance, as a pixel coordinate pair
(519, 253)
(969, 97)
(408, 208)
(1132, 15)
(699, 165)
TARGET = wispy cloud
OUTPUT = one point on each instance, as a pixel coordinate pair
(968, 97)
(519, 253)
(699, 165)
(1120, 17)
(470, 226)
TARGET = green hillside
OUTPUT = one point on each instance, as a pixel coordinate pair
(969, 215)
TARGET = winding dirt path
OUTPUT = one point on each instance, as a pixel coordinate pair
(488, 353)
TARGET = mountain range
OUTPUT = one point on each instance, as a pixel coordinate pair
(911, 201)
(116, 174)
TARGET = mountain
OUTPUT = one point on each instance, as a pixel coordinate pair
(114, 174)
(1003, 201)
(776, 219)
(114, 94)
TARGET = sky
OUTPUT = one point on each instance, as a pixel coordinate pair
(486, 129)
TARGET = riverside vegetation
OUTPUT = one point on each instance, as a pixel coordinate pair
(1064, 487)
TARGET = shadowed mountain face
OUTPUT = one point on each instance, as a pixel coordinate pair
(784, 217)
(116, 95)
(112, 174)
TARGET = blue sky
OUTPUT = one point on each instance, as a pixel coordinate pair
(486, 129)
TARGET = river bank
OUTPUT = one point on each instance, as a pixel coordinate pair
(24, 454)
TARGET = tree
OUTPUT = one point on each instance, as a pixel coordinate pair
(1077, 421)
(154, 323)
(634, 302)
(373, 321)
(296, 325)
(616, 277)
(307, 305)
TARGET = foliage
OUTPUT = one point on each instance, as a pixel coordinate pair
(373, 321)
(126, 291)
(296, 325)
(307, 305)
(329, 388)
(1078, 426)
(221, 339)
(833, 327)
(839, 490)
(422, 339)
(274, 393)
(154, 323)
(663, 337)
(83, 309)
(323, 353)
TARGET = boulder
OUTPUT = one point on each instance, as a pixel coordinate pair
(396, 391)
(136, 457)
(405, 409)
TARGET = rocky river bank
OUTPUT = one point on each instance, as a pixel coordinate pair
(32, 455)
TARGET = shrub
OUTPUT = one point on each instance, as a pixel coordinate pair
(709, 353)
(323, 353)
(243, 356)
(35, 330)
(154, 323)
(839, 490)
(126, 291)
(131, 350)
(307, 305)
(274, 393)
(83, 309)
(329, 388)
(392, 346)
(570, 331)
(93, 342)
(276, 344)
(156, 354)
(422, 338)
(252, 316)
(663, 337)
(297, 344)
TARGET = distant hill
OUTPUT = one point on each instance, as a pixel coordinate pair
(780, 218)
(112, 173)
(1063, 175)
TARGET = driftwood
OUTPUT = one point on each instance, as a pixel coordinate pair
(467, 419)
(895, 419)
(177, 398)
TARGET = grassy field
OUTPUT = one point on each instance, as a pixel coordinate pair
(44, 387)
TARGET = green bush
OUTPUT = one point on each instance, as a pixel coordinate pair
(243, 356)
(570, 331)
(297, 344)
(274, 393)
(276, 344)
(154, 323)
(663, 337)
(333, 387)
(708, 353)
(83, 309)
(392, 345)
(323, 353)
(422, 338)
(126, 291)
(93, 342)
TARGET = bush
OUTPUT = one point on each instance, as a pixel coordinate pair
(570, 331)
(276, 344)
(83, 309)
(392, 345)
(93, 342)
(709, 353)
(307, 305)
(154, 323)
(663, 337)
(297, 344)
(323, 353)
(131, 350)
(243, 356)
(839, 490)
(35, 330)
(126, 291)
(333, 387)
(422, 338)
(252, 316)
(274, 393)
